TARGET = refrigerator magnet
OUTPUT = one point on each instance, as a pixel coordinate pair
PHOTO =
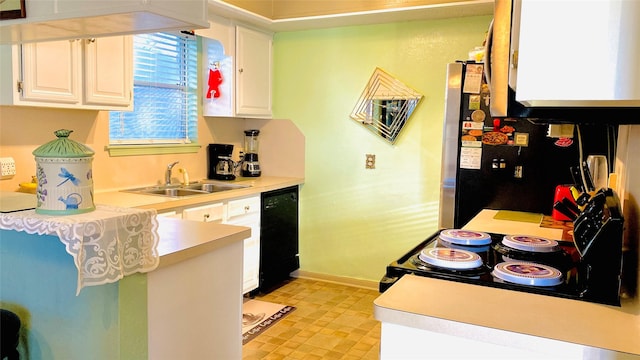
(521, 139)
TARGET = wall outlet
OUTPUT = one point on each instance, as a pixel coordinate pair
(370, 161)
(7, 167)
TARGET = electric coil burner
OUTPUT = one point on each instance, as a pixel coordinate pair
(589, 268)
(451, 258)
(530, 243)
(465, 237)
(526, 273)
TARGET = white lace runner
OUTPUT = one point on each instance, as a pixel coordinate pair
(106, 244)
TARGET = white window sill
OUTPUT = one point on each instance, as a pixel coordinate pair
(155, 149)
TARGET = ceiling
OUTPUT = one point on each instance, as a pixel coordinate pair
(294, 15)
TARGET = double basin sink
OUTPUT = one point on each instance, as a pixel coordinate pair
(192, 189)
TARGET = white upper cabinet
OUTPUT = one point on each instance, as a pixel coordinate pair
(579, 53)
(236, 70)
(79, 74)
(73, 19)
(218, 68)
(253, 66)
(50, 73)
(108, 71)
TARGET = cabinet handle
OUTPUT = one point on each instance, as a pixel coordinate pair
(206, 216)
(92, 40)
(514, 59)
(247, 208)
(241, 70)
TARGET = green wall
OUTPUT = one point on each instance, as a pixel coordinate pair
(355, 221)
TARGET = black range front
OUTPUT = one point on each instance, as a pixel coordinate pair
(527, 263)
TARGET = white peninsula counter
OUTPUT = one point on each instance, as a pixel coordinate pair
(185, 304)
(432, 318)
(194, 297)
(188, 307)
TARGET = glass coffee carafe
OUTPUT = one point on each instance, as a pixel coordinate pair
(225, 168)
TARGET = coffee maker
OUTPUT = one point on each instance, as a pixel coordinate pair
(250, 166)
(221, 167)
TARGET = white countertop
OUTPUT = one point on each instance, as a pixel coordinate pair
(420, 302)
(484, 221)
(181, 240)
(162, 203)
(178, 240)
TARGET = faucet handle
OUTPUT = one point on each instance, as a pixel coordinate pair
(185, 176)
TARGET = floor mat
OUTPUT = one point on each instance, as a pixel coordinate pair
(258, 316)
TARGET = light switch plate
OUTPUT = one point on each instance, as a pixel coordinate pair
(7, 167)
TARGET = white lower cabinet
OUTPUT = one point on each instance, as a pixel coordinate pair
(246, 212)
(171, 214)
(206, 213)
(241, 212)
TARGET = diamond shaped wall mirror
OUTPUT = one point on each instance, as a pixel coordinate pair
(385, 106)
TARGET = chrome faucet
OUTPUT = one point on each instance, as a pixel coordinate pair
(167, 174)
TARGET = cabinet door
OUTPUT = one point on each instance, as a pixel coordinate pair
(217, 72)
(206, 213)
(246, 212)
(50, 72)
(108, 71)
(253, 64)
(589, 60)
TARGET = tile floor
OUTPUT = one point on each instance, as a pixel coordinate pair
(331, 321)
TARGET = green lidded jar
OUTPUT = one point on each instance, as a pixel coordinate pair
(65, 176)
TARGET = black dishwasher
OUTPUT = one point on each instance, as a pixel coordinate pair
(278, 237)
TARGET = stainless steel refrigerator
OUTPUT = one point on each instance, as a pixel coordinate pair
(504, 163)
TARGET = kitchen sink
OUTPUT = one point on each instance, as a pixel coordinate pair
(193, 189)
(176, 192)
(212, 187)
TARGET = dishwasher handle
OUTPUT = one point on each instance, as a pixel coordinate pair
(272, 202)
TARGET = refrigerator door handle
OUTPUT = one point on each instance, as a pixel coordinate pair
(487, 54)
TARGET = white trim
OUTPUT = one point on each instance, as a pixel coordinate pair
(156, 149)
(360, 283)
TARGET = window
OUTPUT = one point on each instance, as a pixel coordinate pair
(165, 95)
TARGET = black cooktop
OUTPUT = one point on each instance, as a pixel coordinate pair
(564, 258)
(588, 268)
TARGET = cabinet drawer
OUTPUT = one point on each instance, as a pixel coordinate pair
(243, 207)
(171, 214)
(207, 213)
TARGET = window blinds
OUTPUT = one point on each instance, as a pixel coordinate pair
(165, 92)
